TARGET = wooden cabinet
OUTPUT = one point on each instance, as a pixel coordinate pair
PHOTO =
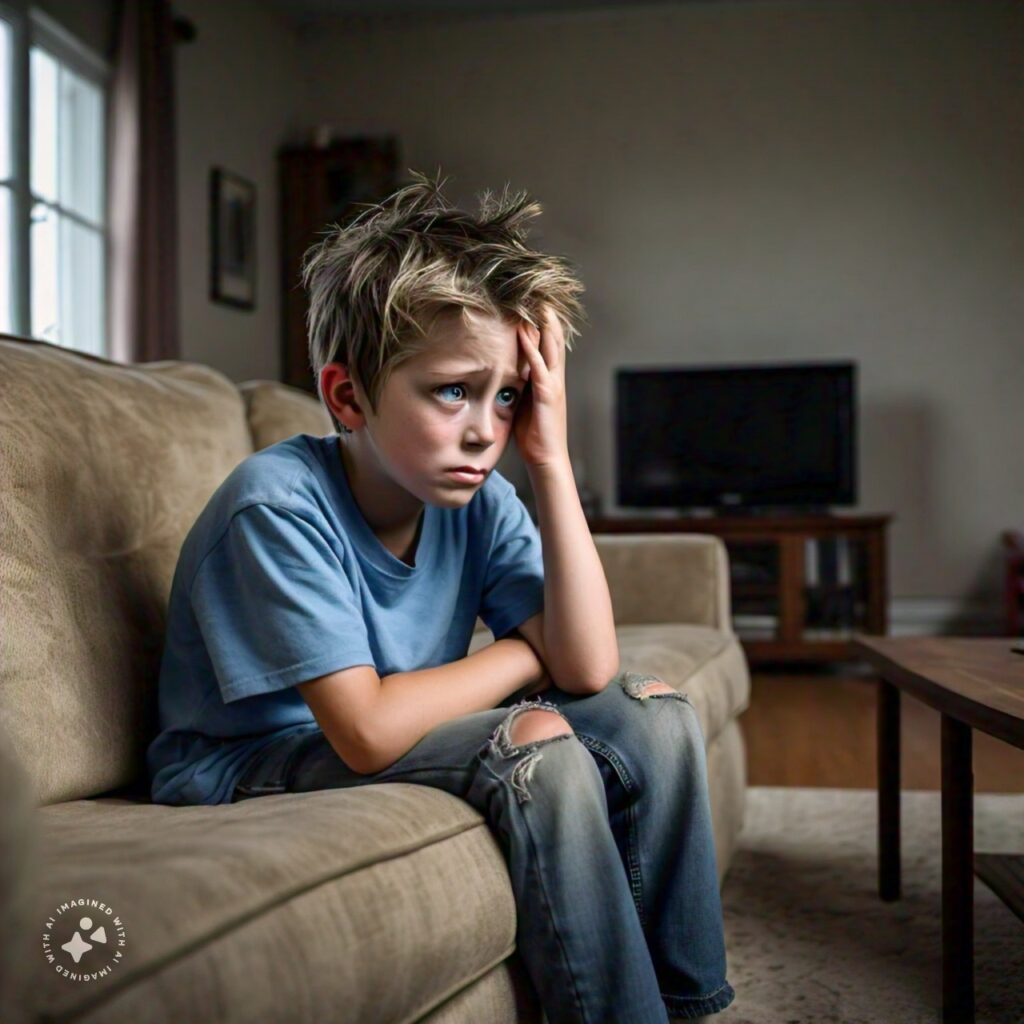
(321, 187)
(802, 587)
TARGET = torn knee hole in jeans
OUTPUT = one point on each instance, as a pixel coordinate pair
(635, 684)
(502, 745)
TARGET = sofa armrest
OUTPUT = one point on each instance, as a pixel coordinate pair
(19, 850)
(667, 577)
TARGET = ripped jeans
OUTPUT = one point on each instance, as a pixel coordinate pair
(606, 831)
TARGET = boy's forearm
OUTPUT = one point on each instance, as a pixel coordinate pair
(580, 647)
(410, 704)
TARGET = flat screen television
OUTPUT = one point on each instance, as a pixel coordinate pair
(760, 438)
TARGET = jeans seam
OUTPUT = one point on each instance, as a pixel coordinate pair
(540, 878)
(696, 999)
(707, 995)
(632, 853)
(547, 900)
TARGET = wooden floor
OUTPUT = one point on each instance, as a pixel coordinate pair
(815, 726)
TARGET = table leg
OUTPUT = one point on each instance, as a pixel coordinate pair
(888, 791)
(957, 873)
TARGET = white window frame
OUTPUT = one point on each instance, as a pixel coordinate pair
(33, 27)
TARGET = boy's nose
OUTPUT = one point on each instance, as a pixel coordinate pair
(481, 430)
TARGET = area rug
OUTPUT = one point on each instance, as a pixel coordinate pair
(810, 942)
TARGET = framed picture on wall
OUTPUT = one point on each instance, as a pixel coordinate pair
(232, 239)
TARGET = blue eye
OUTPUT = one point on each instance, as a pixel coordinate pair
(447, 387)
(462, 387)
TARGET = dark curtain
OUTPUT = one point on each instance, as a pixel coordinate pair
(142, 185)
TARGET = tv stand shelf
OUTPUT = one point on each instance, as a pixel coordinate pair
(802, 586)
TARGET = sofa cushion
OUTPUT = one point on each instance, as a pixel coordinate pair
(19, 856)
(277, 411)
(370, 904)
(667, 577)
(706, 664)
(103, 469)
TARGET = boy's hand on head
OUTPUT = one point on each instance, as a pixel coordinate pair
(540, 426)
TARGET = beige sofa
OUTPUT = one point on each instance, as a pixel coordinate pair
(386, 903)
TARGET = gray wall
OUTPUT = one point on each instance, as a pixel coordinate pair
(736, 182)
(240, 96)
(759, 182)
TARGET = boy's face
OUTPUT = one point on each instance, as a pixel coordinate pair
(451, 405)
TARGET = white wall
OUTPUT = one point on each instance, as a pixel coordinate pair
(240, 96)
(759, 182)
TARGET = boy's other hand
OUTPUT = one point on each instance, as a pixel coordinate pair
(540, 426)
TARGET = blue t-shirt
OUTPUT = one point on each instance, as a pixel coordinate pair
(281, 580)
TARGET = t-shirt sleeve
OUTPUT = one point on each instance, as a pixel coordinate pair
(514, 579)
(275, 606)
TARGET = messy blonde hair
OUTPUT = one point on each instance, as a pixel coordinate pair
(377, 285)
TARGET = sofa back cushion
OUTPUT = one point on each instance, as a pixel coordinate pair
(277, 411)
(104, 467)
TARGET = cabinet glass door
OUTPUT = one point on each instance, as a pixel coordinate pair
(835, 587)
(754, 577)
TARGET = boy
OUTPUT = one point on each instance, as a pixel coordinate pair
(324, 601)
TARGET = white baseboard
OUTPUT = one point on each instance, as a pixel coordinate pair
(908, 616)
(934, 616)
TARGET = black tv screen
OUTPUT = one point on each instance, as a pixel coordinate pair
(765, 436)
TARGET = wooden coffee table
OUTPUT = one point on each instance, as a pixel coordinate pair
(974, 683)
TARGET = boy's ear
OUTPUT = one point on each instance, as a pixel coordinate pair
(339, 392)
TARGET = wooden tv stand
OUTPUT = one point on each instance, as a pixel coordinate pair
(781, 612)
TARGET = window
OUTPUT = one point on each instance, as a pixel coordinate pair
(6, 174)
(53, 229)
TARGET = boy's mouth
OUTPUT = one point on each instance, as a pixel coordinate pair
(469, 474)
